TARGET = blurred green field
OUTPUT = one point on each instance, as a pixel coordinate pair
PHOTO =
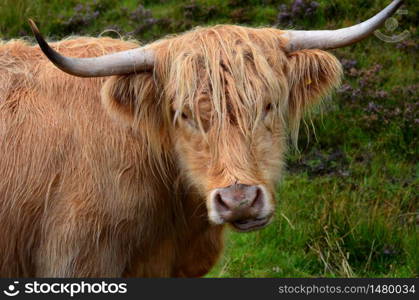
(348, 203)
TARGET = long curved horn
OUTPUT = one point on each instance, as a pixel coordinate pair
(124, 62)
(330, 39)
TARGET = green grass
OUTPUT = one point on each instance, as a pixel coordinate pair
(334, 227)
(348, 205)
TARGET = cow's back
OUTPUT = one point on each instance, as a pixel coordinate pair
(61, 158)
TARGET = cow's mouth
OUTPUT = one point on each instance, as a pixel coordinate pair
(250, 224)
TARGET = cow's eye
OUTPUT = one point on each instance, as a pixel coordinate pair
(268, 108)
(188, 120)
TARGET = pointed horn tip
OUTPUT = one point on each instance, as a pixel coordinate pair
(301, 39)
(33, 26)
(35, 31)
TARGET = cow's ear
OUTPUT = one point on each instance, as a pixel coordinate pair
(313, 75)
(125, 97)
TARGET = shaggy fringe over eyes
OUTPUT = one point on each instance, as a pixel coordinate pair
(239, 69)
(313, 75)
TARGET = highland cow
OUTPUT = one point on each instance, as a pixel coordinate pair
(137, 174)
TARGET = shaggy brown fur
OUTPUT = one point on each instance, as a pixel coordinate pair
(83, 194)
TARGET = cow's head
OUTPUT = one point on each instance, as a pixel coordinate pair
(229, 96)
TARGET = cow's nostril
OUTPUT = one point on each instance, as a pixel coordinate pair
(220, 202)
(258, 200)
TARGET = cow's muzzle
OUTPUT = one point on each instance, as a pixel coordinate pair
(246, 207)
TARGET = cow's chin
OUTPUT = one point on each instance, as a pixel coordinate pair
(245, 225)
(250, 224)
